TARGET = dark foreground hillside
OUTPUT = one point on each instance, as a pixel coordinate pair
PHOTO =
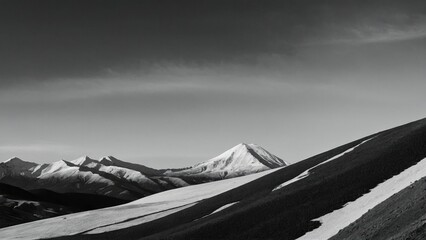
(287, 213)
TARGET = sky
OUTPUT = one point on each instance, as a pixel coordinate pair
(172, 83)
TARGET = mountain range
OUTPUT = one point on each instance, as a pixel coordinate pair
(111, 181)
(370, 188)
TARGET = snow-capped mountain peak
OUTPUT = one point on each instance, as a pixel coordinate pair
(241, 158)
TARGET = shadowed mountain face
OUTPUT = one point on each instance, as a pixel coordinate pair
(311, 199)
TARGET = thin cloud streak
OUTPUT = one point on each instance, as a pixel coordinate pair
(386, 34)
(162, 79)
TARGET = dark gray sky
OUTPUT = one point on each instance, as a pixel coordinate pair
(171, 83)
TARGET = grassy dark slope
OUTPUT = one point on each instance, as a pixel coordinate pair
(22, 182)
(287, 213)
(13, 192)
(20, 206)
(402, 216)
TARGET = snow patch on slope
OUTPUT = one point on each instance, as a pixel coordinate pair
(223, 207)
(307, 172)
(218, 210)
(333, 222)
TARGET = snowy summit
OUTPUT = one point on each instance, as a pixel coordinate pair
(243, 158)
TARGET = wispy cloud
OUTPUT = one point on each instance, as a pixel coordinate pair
(388, 33)
(386, 25)
(161, 79)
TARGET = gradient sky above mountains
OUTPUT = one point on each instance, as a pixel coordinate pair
(171, 83)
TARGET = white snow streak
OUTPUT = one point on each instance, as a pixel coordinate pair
(217, 210)
(223, 207)
(333, 222)
(306, 173)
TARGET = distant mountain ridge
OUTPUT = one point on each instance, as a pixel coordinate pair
(109, 181)
(84, 175)
(110, 176)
